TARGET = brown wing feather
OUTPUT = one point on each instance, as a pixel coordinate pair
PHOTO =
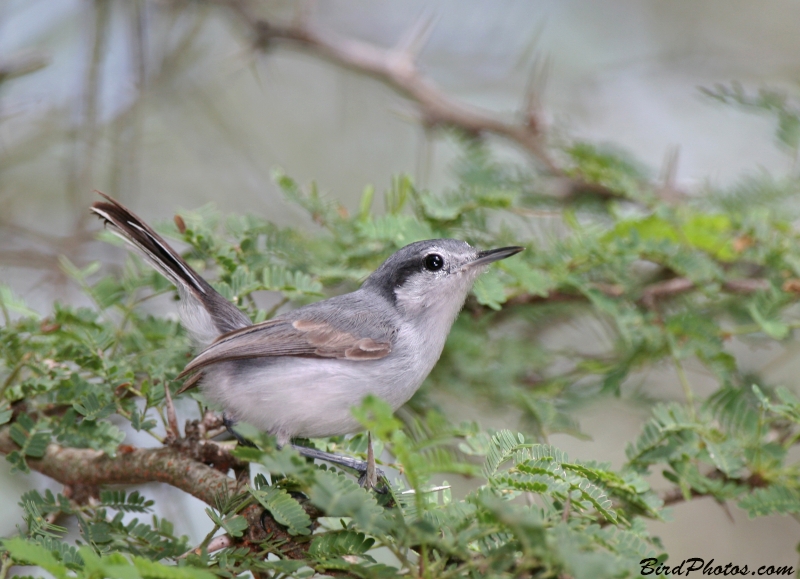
(289, 338)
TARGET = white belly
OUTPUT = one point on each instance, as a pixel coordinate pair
(313, 397)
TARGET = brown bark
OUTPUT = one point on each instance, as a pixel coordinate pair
(82, 466)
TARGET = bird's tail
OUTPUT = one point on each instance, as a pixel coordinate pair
(204, 312)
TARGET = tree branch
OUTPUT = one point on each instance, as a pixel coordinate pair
(22, 63)
(82, 466)
(397, 68)
(675, 496)
(178, 465)
(651, 294)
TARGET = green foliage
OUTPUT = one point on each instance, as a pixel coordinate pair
(661, 283)
(338, 543)
(283, 508)
(32, 441)
(86, 563)
(766, 101)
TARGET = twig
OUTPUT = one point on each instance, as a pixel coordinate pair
(651, 294)
(22, 63)
(274, 309)
(679, 285)
(216, 544)
(172, 419)
(219, 543)
(682, 378)
(670, 287)
(746, 286)
(5, 565)
(674, 496)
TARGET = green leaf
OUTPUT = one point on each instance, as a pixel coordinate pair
(788, 132)
(726, 456)
(504, 446)
(339, 496)
(10, 302)
(119, 501)
(377, 416)
(75, 272)
(711, 233)
(607, 166)
(91, 408)
(25, 552)
(154, 570)
(535, 281)
(772, 499)
(365, 205)
(773, 328)
(335, 544)
(139, 422)
(235, 525)
(99, 533)
(284, 566)
(99, 435)
(284, 509)
(490, 291)
(31, 439)
(650, 228)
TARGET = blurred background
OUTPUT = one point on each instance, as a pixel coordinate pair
(168, 104)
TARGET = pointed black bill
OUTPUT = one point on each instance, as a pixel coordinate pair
(490, 255)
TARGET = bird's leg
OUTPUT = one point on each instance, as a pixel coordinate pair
(346, 461)
(369, 479)
(229, 423)
(369, 474)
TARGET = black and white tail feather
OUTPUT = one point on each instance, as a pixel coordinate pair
(204, 312)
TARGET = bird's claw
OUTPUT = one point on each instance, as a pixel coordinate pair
(379, 482)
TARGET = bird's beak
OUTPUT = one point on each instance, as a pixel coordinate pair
(490, 255)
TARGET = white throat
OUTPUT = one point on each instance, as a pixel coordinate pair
(432, 308)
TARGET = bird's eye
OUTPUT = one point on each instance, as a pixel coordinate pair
(434, 262)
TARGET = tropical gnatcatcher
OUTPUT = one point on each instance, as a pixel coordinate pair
(299, 374)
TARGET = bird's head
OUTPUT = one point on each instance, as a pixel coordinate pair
(433, 276)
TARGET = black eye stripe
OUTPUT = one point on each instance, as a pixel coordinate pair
(398, 270)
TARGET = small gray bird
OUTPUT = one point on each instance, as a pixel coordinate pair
(300, 373)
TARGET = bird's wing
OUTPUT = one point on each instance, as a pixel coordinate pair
(292, 337)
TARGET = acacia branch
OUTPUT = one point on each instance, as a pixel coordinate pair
(650, 294)
(87, 467)
(397, 68)
(22, 63)
(178, 465)
(675, 496)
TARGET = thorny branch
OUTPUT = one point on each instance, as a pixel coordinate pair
(397, 68)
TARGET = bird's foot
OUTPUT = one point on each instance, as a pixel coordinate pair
(229, 423)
